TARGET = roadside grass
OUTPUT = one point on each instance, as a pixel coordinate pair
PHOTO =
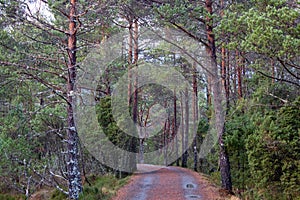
(11, 197)
(102, 187)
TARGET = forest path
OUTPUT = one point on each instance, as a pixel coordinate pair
(152, 182)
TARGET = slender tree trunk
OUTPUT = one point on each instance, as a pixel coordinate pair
(74, 177)
(195, 116)
(130, 144)
(129, 60)
(225, 74)
(186, 131)
(175, 127)
(135, 62)
(273, 70)
(218, 100)
(223, 64)
(235, 75)
(227, 89)
(133, 143)
(208, 91)
(223, 67)
(142, 148)
(239, 74)
(182, 130)
(165, 143)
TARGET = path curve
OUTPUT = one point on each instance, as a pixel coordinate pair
(152, 182)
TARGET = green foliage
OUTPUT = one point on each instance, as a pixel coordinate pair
(263, 146)
(186, 14)
(238, 128)
(268, 27)
(106, 121)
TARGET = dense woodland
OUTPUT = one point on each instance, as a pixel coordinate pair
(246, 92)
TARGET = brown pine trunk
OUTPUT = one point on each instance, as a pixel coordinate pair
(74, 177)
(223, 64)
(224, 74)
(135, 62)
(133, 143)
(218, 100)
(129, 60)
(227, 89)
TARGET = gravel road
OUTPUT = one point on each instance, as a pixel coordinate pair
(168, 183)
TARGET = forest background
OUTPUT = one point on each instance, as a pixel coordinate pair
(249, 96)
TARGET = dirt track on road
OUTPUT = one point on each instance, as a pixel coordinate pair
(169, 183)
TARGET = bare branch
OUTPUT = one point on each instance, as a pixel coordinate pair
(283, 100)
(287, 69)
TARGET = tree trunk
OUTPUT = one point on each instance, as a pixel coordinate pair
(186, 131)
(273, 70)
(74, 177)
(175, 127)
(227, 89)
(239, 74)
(135, 84)
(165, 132)
(182, 131)
(223, 64)
(142, 148)
(217, 100)
(133, 142)
(225, 75)
(195, 116)
(130, 61)
(208, 91)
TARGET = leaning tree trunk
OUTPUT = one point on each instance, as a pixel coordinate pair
(218, 99)
(74, 177)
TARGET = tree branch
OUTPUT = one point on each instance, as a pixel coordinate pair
(279, 79)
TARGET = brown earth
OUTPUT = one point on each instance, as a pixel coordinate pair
(170, 183)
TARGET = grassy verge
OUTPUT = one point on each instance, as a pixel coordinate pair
(103, 187)
(11, 197)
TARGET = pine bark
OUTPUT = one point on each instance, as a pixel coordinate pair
(217, 100)
(74, 175)
(224, 64)
(129, 60)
